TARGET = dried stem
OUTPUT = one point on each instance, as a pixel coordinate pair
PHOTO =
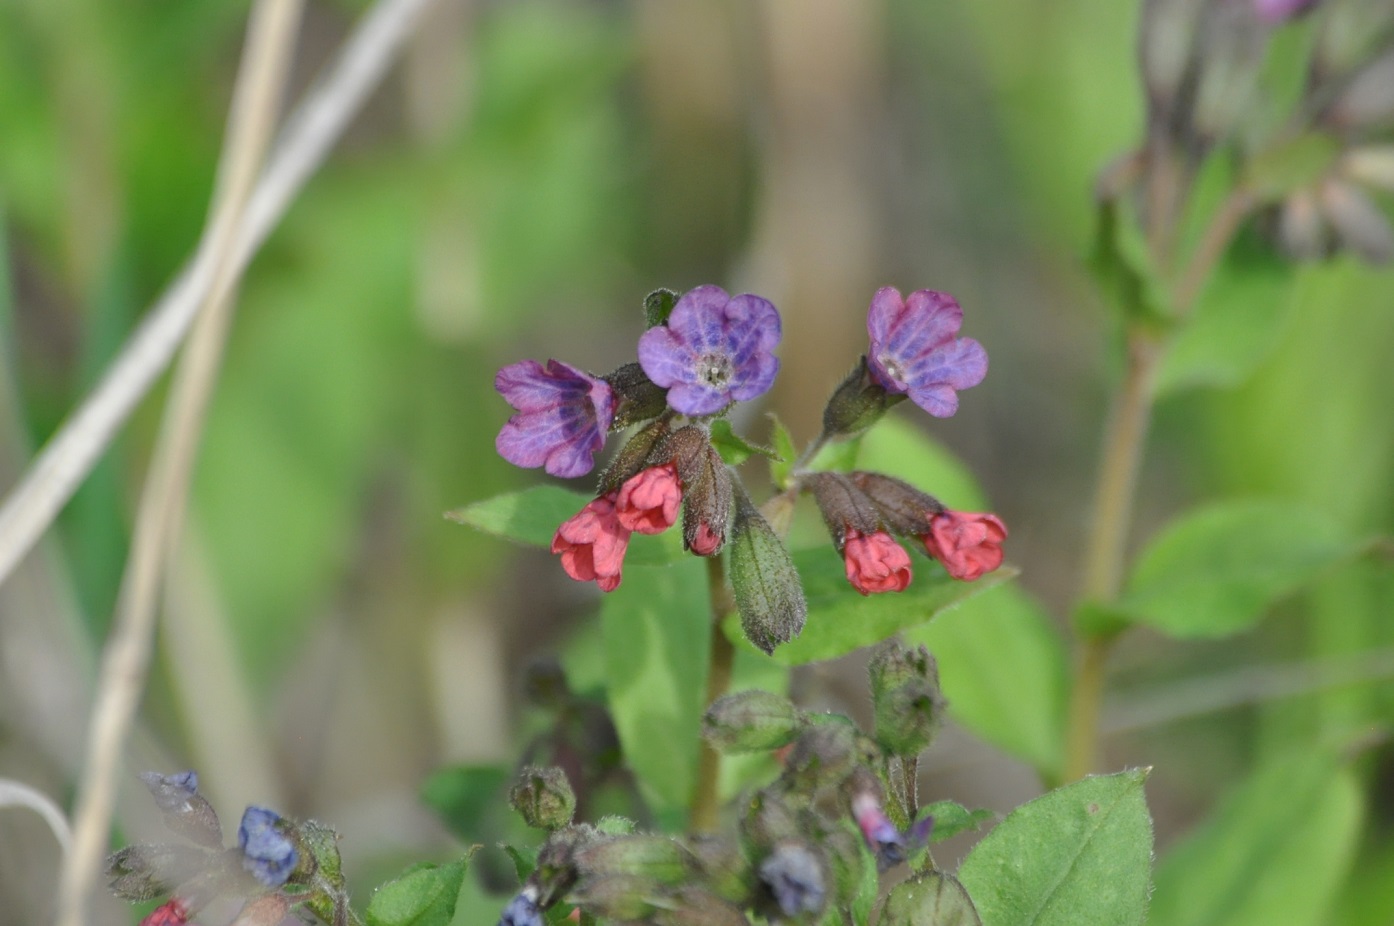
(706, 800)
(309, 134)
(125, 660)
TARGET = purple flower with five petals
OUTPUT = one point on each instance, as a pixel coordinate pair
(915, 351)
(714, 350)
(563, 416)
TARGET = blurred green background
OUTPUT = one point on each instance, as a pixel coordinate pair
(526, 175)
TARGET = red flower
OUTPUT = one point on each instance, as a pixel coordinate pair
(968, 544)
(173, 913)
(875, 562)
(592, 544)
(648, 501)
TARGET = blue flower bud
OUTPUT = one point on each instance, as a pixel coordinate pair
(795, 879)
(267, 851)
(522, 910)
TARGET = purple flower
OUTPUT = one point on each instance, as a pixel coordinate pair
(266, 850)
(714, 350)
(914, 349)
(563, 416)
(1277, 11)
(795, 878)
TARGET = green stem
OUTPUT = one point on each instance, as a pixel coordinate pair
(706, 801)
(1120, 462)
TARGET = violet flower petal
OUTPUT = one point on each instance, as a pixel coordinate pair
(563, 417)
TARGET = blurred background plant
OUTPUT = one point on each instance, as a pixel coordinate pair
(522, 179)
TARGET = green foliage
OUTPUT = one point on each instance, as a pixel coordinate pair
(1237, 322)
(658, 305)
(424, 895)
(1216, 570)
(930, 898)
(782, 463)
(657, 637)
(467, 797)
(1122, 266)
(1275, 851)
(735, 449)
(1077, 856)
(952, 818)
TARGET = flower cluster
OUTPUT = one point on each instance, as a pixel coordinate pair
(805, 843)
(276, 865)
(702, 353)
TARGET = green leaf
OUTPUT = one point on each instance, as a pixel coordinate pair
(1276, 850)
(841, 620)
(468, 798)
(952, 818)
(1077, 856)
(1120, 262)
(531, 516)
(1238, 321)
(930, 898)
(1215, 571)
(1004, 669)
(524, 860)
(782, 464)
(657, 638)
(423, 895)
(735, 449)
(658, 305)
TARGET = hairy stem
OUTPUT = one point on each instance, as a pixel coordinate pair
(706, 802)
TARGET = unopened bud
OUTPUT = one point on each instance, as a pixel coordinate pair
(1301, 228)
(722, 865)
(543, 797)
(1367, 102)
(639, 398)
(844, 506)
(618, 898)
(904, 509)
(1359, 223)
(522, 910)
(905, 697)
(794, 876)
(1231, 45)
(186, 812)
(144, 872)
(824, 755)
(1166, 36)
(692, 906)
(856, 404)
(751, 721)
(657, 859)
(707, 499)
(633, 457)
(764, 581)
(846, 862)
(929, 898)
(768, 821)
(266, 910)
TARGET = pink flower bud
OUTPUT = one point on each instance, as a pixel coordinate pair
(648, 501)
(968, 544)
(875, 563)
(172, 913)
(592, 544)
(706, 541)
